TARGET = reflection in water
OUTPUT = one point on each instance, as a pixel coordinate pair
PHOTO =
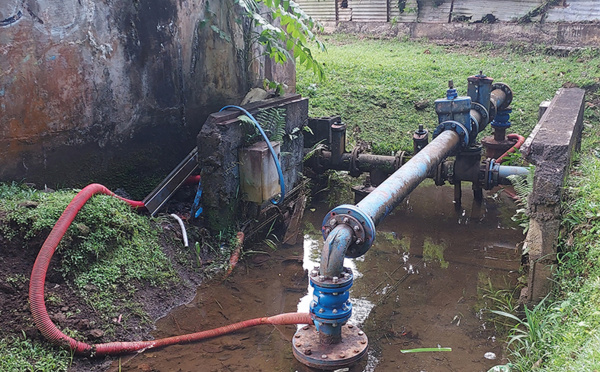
(420, 285)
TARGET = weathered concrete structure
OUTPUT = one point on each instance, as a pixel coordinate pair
(550, 148)
(219, 141)
(109, 91)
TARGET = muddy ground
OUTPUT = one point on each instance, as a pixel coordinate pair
(70, 312)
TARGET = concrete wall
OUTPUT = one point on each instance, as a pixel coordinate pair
(564, 34)
(112, 91)
(550, 147)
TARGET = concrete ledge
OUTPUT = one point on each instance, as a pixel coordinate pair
(550, 148)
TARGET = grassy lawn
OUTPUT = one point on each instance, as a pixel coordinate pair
(374, 84)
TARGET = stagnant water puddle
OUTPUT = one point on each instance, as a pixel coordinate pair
(420, 285)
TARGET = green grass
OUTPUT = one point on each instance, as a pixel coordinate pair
(108, 246)
(20, 355)
(563, 332)
(373, 84)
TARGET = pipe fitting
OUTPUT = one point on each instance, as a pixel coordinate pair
(456, 127)
(361, 225)
(494, 174)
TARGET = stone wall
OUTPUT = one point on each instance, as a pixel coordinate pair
(113, 91)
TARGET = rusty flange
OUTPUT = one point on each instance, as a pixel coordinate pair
(309, 351)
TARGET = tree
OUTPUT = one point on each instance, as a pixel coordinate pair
(282, 28)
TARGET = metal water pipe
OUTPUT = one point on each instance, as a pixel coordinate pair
(349, 231)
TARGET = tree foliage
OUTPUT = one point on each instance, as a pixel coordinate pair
(285, 31)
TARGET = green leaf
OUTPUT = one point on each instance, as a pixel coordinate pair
(425, 349)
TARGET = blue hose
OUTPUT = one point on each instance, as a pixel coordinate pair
(262, 132)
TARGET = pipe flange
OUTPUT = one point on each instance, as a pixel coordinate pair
(438, 177)
(362, 225)
(455, 127)
(399, 160)
(338, 283)
(484, 116)
(354, 171)
(493, 111)
(355, 225)
(309, 351)
(490, 175)
(509, 94)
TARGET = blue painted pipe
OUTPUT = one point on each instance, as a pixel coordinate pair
(506, 170)
(334, 250)
(381, 201)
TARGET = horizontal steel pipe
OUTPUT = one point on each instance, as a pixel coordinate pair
(364, 162)
(504, 171)
(381, 201)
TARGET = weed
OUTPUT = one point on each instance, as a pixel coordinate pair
(107, 248)
(526, 337)
(22, 354)
(434, 252)
(523, 187)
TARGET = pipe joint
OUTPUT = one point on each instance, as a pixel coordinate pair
(454, 126)
(495, 174)
(362, 226)
(502, 119)
(330, 305)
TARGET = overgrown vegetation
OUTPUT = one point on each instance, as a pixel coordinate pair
(383, 88)
(562, 332)
(280, 27)
(108, 247)
(107, 254)
(21, 354)
(284, 28)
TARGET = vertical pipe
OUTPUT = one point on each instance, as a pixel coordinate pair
(334, 250)
(338, 142)
(381, 201)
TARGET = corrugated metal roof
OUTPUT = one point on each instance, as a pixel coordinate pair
(369, 10)
(575, 11)
(321, 10)
(503, 10)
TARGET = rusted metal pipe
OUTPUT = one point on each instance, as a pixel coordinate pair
(381, 201)
(334, 250)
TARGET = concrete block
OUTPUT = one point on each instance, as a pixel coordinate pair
(550, 148)
(219, 141)
(259, 179)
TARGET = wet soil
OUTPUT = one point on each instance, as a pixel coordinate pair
(420, 285)
(70, 312)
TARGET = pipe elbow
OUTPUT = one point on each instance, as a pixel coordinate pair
(334, 250)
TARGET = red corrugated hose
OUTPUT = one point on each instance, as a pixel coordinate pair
(54, 335)
(513, 136)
